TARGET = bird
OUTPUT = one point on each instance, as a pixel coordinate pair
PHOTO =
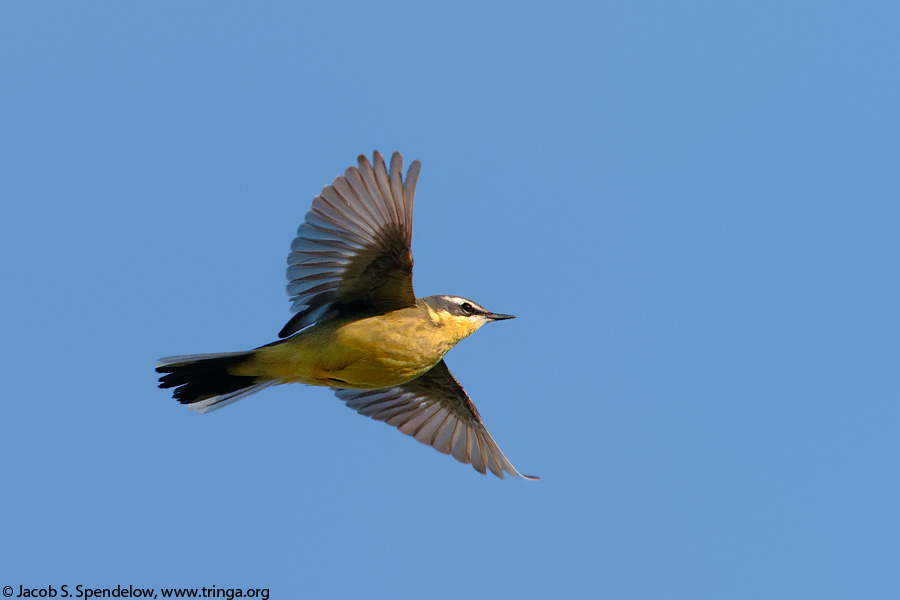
(358, 327)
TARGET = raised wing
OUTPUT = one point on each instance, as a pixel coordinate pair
(435, 410)
(352, 253)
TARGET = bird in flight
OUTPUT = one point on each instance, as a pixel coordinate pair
(359, 328)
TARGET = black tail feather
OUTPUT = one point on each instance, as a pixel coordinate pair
(203, 378)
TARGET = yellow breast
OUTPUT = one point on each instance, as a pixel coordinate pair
(375, 352)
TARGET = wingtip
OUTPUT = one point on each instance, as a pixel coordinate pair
(515, 473)
(396, 158)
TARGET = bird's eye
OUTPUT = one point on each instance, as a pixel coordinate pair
(467, 308)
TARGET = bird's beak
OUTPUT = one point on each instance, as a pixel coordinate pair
(496, 317)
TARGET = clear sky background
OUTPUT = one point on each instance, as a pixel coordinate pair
(693, 209)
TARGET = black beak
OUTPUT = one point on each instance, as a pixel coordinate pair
(496, 317)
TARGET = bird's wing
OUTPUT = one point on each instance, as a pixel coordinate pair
(352, 253)
(435, 410)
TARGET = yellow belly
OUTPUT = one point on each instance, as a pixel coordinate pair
(376, 352)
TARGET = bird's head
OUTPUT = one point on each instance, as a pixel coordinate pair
(461, 315)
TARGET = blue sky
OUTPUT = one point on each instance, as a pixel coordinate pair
(692, 208)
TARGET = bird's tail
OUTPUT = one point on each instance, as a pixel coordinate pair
(204, 381)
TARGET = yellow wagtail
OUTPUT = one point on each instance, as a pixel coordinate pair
(358, 327)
